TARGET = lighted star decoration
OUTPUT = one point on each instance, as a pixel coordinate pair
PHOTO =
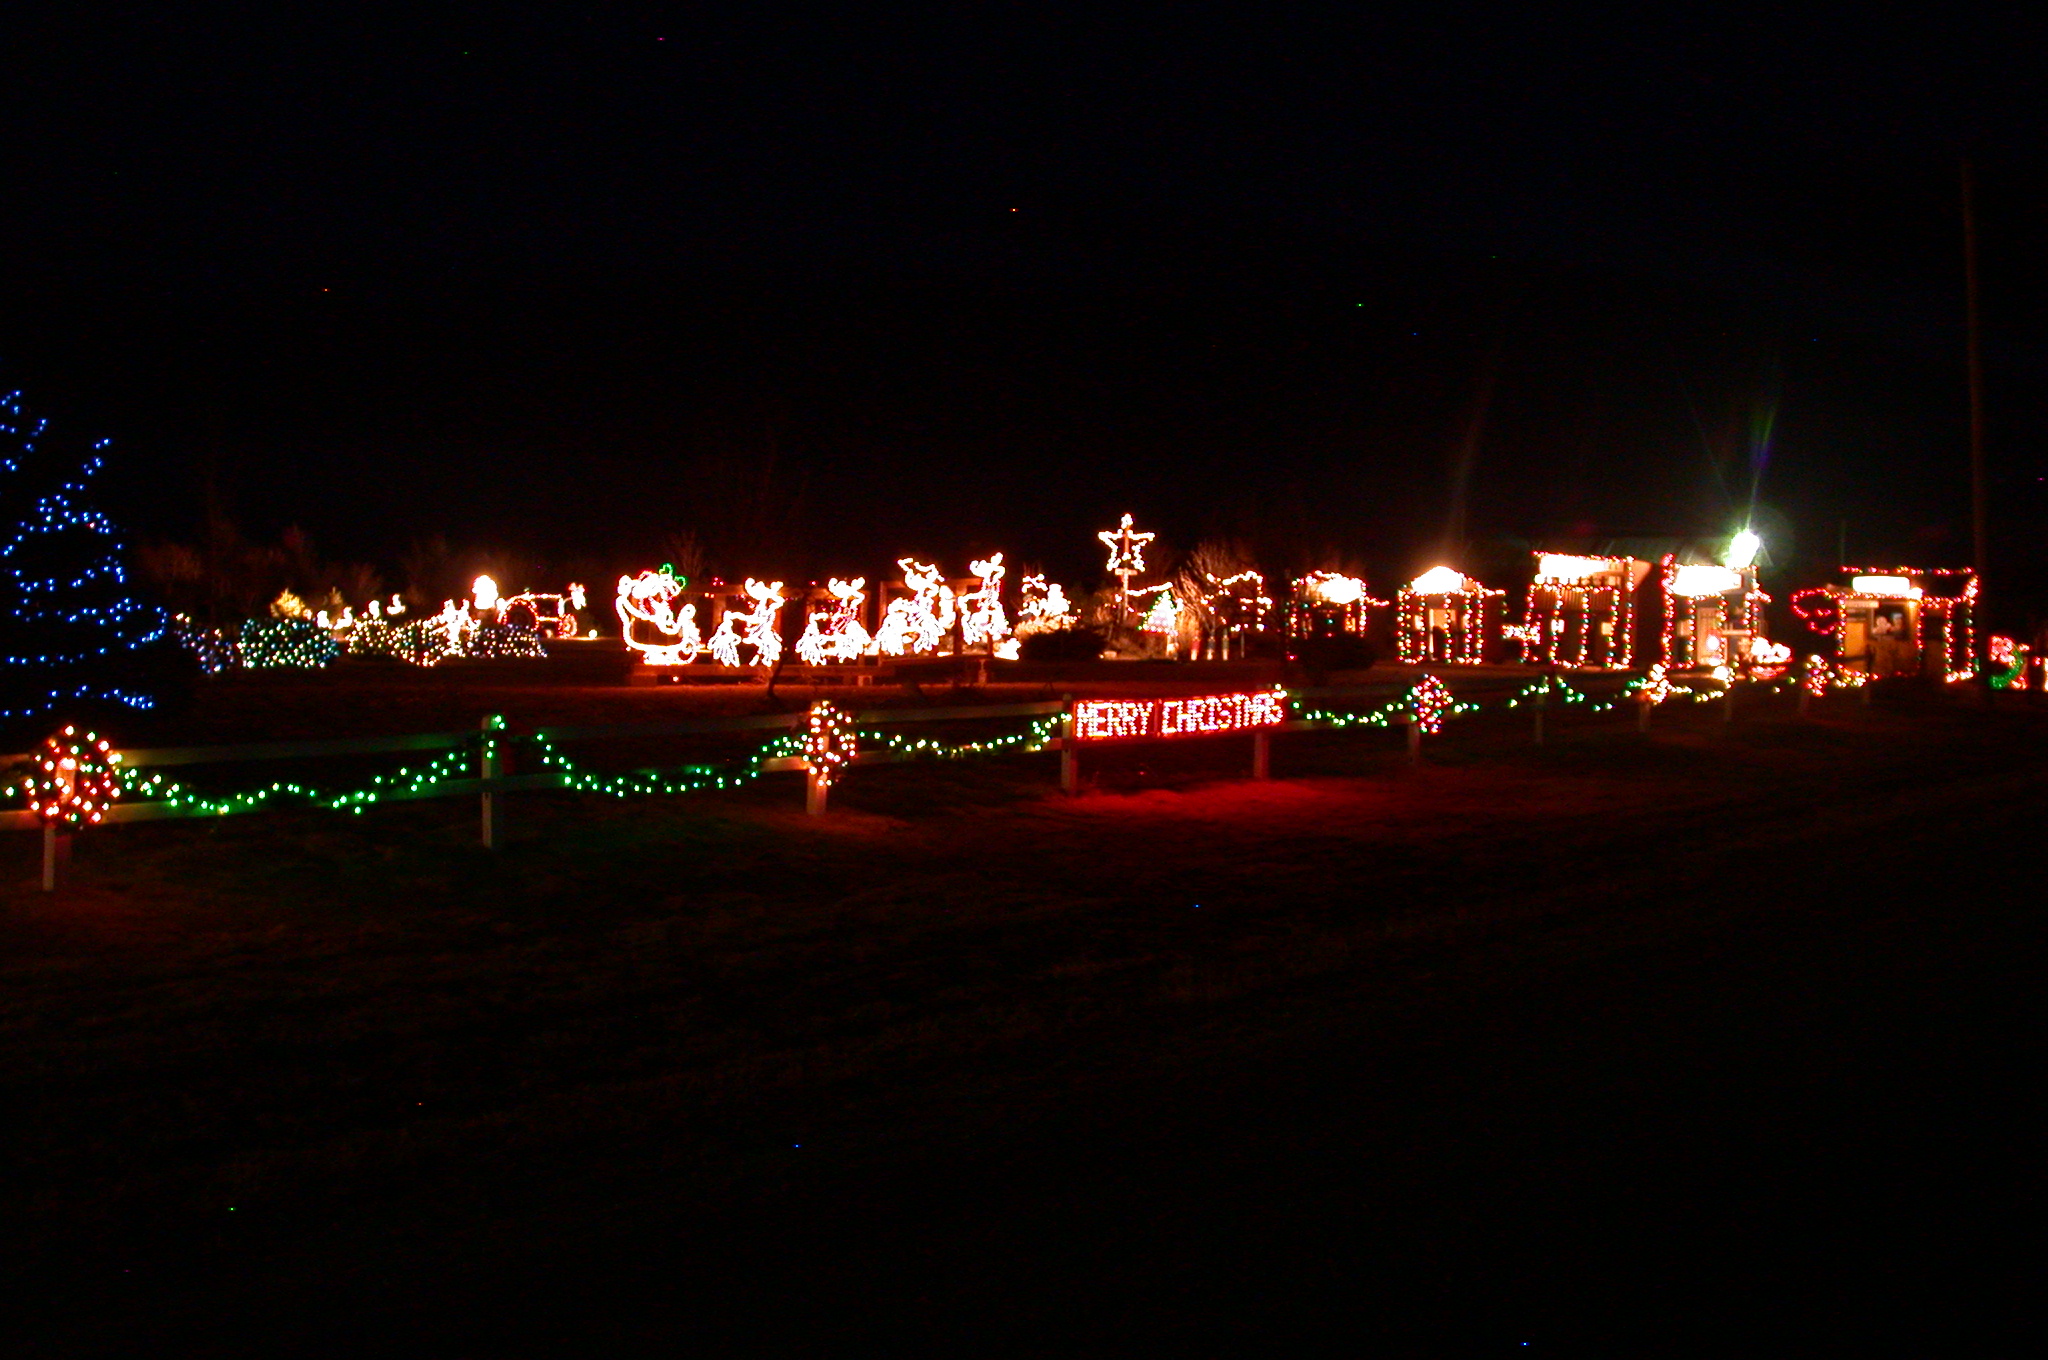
(1126, 555)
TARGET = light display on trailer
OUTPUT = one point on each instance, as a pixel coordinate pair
(76, 780)
(1581, 611)
(553, 616)
(1444, 615)
(1205, 715)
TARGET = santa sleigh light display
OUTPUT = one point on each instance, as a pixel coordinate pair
(663, 628)
(1901, 621)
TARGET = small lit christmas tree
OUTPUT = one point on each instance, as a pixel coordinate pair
(70, 629)
(1164, 616)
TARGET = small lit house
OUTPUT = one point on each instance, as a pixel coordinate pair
(1443, 616)
(1581, 611)
(1714, 617)
(1329, 604)
(1902, 621)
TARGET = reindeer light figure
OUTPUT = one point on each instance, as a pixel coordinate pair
(982, 621)
(920, 621)
(647, 601)
(759, 624)
(841, 637)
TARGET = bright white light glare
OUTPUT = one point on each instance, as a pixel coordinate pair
(1694, 580)
(1438, 581)
(483, 592)
(1335, 589)
(1742, 549)
(1561, 567)
(1894, 586)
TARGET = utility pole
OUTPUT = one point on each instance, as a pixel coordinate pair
(1979, 492)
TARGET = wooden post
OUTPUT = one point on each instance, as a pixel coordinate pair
(1542, 702)
(1728, 704)
(1414, 742)
(1643, 707)
(1070, 755)
(492, 725)
(56, 856)
(1262, 755)
(816, 791)
(1805, 701)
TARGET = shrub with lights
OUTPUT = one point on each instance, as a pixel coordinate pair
(72, 635)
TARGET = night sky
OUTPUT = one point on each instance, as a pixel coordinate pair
(825, 287)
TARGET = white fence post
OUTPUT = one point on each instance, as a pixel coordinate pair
(491, 725)
(56, 856)
(1070, 757)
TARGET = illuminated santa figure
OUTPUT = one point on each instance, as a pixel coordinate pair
(651, 622)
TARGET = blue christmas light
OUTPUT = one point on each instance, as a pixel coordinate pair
(65, 615)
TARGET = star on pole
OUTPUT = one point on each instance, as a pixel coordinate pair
(1126, 558)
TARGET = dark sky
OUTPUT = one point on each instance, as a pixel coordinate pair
(827, 286)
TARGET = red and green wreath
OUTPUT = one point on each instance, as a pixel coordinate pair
(76, 779)
(830, 745)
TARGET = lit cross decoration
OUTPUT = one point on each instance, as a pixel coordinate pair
(1126, 558)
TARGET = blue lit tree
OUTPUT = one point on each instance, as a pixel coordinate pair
(71, 632)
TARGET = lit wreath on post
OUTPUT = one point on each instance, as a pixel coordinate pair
(1429, 703)
(75, 780)
(830, 745)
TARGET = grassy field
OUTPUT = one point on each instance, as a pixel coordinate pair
(1723, 1032)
